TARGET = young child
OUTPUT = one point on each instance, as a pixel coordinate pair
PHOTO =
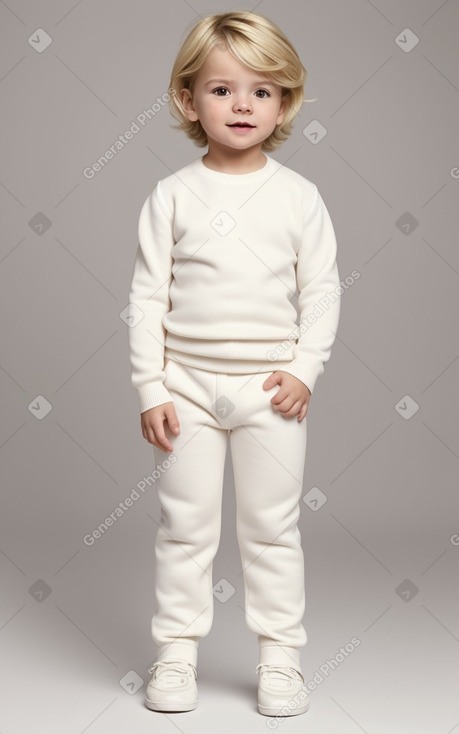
(216, 353)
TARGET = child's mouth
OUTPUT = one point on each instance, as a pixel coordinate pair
(241, 126)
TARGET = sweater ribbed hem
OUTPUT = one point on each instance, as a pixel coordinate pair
(307, 375)
(239, 350)
(230, 366)
(235, 356)
(152, 394)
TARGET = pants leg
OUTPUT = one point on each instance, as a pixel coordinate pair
(268, 455)
(188, 536)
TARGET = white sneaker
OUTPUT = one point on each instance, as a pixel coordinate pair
(281, 690)
(172, 686)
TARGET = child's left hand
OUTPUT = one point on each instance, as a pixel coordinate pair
(293, 396)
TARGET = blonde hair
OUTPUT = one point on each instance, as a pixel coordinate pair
(255, 41)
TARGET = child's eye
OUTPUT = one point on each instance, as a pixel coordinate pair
(218, 89)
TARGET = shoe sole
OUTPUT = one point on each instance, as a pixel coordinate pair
(170, 705)
(283, 711)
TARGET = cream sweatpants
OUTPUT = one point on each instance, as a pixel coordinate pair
(268, 455)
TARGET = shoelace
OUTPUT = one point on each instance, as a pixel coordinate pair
(170, 669)
(283, 672)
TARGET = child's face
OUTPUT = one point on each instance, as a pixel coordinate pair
(226, 91)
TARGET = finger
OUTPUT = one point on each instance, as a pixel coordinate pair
(293, 411)
(172, 420)
(149, 433)
(161, 437)
(278, 397)
(278, 400)
(161, 447)
(303, 412)
(288, 404)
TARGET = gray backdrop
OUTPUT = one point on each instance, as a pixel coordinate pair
(379, 520)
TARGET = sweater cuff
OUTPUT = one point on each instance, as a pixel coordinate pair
(152, 394)
(307, 374)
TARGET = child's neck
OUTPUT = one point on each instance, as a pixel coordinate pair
(235, 161)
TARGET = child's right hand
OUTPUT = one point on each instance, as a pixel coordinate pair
(152, 422)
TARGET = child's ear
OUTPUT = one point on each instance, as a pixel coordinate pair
(282, 109)
(187, 102)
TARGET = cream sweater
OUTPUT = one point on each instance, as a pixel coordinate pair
(223, 259)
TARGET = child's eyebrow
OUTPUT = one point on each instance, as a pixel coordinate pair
(264, 82)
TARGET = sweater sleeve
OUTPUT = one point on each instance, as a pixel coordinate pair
(149, 292)
(319, 295)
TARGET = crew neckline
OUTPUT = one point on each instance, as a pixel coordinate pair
(234, 176)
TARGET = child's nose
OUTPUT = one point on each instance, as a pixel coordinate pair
(242, 103)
